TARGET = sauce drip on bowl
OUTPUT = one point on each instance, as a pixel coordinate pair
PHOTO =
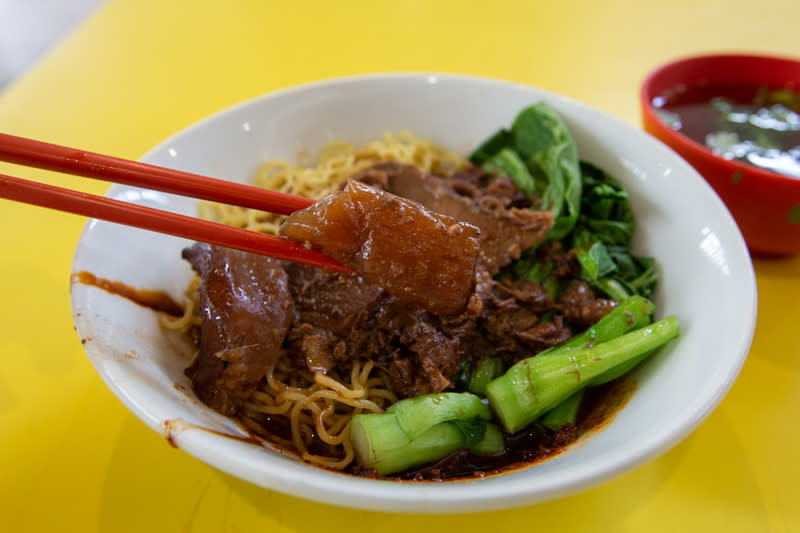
(751, 124)
(153, 299)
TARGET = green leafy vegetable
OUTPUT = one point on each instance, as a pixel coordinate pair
(594, 221)
(496, 142)
(602, 239)
(541, 138)
(632, 314)
(590, 208)
(493, 442)
(433, 444)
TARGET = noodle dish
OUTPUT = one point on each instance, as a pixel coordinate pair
(528, 312)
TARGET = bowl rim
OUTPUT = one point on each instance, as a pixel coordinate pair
(459, 497)
(694, 149)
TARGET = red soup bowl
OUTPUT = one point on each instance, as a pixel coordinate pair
(764, 203)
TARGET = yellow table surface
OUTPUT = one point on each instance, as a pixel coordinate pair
(73, 458)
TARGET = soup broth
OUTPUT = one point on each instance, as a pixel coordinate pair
(750, 124)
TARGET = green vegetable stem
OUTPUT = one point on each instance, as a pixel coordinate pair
(493, 443)
(487, 369)
(537, 384)
(415, 431)
(632, 314)
(564, 413)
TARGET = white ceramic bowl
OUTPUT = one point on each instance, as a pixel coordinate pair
(707, 281)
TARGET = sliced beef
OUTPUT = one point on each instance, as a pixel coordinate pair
(546, 335)
(329, 300)
(484, 183)
(505, 230)
(424, 351)
(511, 318)
(339, 318)
(417, 255)
(328, 308)
(246, 310)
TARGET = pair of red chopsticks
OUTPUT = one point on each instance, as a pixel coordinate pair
(29, 152)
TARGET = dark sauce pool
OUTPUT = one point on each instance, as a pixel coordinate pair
(755, 125)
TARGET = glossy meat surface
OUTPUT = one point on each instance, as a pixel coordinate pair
(417, 255)
(246, 311)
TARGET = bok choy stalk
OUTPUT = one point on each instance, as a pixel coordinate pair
(633, 313)
(415, 431)
(564, 413)
(474, 376)
(537, 384)
(630, 315)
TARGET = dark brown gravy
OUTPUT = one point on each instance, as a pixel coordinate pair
(152, 299)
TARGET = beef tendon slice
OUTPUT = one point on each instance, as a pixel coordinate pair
(246, 309)
(417, 255)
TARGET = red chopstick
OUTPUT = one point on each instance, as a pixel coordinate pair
(32, 153)
(62, 159)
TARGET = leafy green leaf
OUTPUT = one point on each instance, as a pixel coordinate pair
(596, 262)
(535, 130)
(541, 138)
(611, 231)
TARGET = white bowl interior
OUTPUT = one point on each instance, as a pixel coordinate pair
(707, 282)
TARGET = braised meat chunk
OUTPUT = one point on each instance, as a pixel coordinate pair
(246, 311)
(329, 308)
(417, 255)
(339, 318)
